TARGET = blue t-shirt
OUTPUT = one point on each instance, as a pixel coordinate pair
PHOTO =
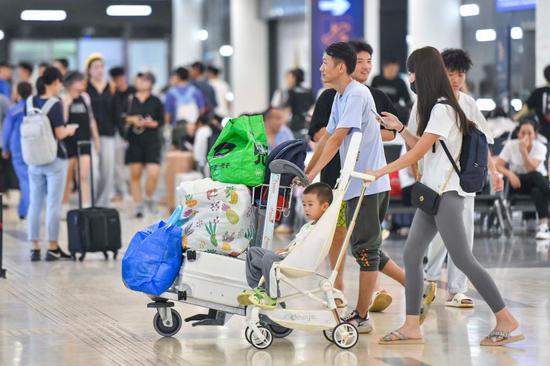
(55, 115)
(353, 110)
(284, 134)
(5, 88)
(11, 131)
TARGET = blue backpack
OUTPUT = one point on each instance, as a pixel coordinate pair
(293, 151)
(473, 160)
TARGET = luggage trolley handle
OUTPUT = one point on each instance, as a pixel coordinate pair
(79, 145)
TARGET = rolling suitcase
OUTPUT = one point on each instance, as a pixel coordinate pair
(93, 229)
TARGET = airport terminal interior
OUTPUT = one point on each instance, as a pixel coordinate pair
(274, 182)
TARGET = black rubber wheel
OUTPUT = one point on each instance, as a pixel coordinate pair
(115, 254)
(247, 333)
(328, 335)
(345, 335)
(279, 331)
(106, 255)
(164, 330)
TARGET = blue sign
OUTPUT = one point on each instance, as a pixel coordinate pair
(513, 5)
(333, 21)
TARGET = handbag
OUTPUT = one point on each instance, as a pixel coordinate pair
(425, 198)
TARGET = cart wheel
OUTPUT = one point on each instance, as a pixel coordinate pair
(345, 335)
(278, 331)
(247, 333)
(328, 335)
(115, 254)
(106, 255)
(264, 341)
(162, 329)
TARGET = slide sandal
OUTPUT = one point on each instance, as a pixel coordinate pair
(492, 340)
(429, 293)
(381, 301)
(460, 301)
(399, 339)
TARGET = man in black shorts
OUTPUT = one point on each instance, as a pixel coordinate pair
(144, 115)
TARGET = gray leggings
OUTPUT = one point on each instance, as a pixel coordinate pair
(450, 224)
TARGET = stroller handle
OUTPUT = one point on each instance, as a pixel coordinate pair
(365, 177)
(280, 166)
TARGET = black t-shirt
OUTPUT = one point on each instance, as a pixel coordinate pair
(152, 108)
(102, 106)
(539, 101)
(321, 115)
(395, 89)
(120, 103)
(55, 115)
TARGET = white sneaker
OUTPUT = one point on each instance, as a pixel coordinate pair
(543, 233)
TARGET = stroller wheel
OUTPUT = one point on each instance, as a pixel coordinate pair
(345, 335)
(328, 335)
(264, 341)
(167, 331)
(279, 331)
(247, 333)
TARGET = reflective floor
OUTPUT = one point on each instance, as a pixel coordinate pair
(67, 313)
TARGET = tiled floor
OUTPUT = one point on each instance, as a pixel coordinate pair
(69, 313)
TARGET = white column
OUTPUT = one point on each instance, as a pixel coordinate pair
(434, 23)
(542, 42)
(372, 33)
(249, 63)
(186, 22)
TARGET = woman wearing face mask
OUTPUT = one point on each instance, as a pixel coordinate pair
(440, 122)
(526, 172)
(48, 180)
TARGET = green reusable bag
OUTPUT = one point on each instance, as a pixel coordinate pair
(239, 155)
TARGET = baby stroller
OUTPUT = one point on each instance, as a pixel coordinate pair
(200, 282)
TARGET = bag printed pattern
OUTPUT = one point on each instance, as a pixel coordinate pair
(217, 217)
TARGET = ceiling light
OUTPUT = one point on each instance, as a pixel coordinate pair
(202, 35)
(469, 10)
(517, 104)
(486, 104)
(1, 35)
(226, 50)
(43, 15)
(486, 35)
(516, 33)
(129, 10)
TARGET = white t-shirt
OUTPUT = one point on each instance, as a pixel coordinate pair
(200, 147)
(443, 123)
(221, 88)
(511, 155)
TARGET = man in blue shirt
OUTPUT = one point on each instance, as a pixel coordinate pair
(352, 111)
(5, 79)
(184, 102)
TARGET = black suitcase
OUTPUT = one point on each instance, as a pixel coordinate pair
(93, 229)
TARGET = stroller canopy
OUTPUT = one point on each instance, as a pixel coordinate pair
(308, 254)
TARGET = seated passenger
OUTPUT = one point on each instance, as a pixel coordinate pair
(317, 198)
(526, 171)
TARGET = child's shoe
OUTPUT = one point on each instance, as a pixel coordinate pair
(242, 298)
(262, 300)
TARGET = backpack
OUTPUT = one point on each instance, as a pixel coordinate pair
(299, 101)
(473, 160)
(293, 151)
(186, 107)
(38, 143)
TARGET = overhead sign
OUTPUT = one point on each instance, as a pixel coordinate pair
(333, 21)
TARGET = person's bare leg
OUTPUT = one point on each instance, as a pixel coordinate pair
(85, 179)
(411, 328)
(506, 322)
(367, 286)
(35, 245)
(69, 181)
(53, 245)
(393, 271)
(135, 182)
(153, 171)
(337, 241)
(176, 162)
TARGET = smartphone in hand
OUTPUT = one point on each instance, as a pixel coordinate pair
(379, 118)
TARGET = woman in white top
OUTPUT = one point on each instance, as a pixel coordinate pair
(446, 122)
(525, 158)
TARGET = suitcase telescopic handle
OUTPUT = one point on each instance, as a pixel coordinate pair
(79, 145)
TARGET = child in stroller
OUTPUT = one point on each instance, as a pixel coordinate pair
(259, 262)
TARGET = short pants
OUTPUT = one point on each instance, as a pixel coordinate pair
(71, 145)
(342, 216)
(143, 150)
(366, 238)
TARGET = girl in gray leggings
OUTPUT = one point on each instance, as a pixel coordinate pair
(439, 122)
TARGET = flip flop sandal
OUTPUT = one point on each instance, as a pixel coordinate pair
(492, 340)
(262, 300)
(460, 301)
(424, 310)
(381, 302)
(429, 294)
(399, 339)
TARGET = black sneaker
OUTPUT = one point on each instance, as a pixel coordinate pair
(35, 255)
(363, 325)
(54, 255)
